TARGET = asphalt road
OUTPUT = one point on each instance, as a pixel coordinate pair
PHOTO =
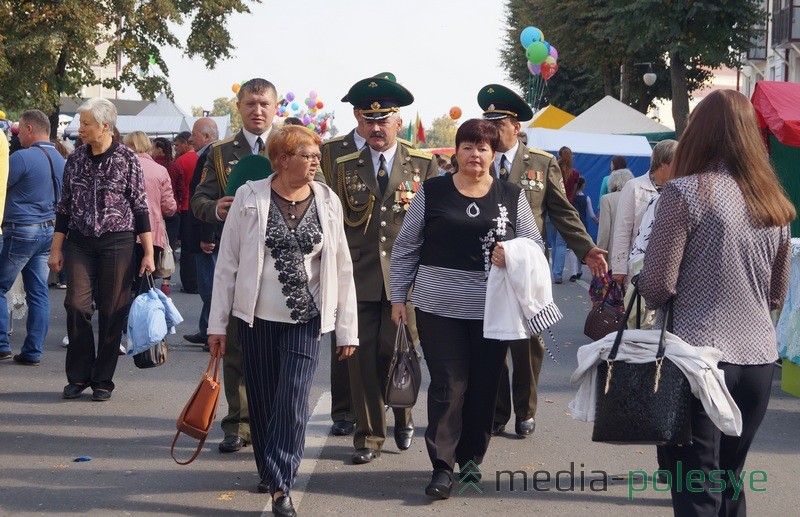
(131, 473)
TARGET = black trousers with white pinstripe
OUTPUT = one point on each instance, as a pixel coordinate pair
(279, 362)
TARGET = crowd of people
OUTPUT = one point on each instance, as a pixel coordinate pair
(362, 233)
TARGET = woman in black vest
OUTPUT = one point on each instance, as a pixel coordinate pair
(450, 239)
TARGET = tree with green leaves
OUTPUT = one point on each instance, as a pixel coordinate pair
(600, 42)
(48, 48)
(442, 132)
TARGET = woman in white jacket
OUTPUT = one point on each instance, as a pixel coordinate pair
(283, 235)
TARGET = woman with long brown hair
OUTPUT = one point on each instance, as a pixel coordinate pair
(720, 249)
(570, 178)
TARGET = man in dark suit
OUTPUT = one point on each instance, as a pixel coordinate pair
(372, 185)
(538, 174)
(256, 102)
(198, 240)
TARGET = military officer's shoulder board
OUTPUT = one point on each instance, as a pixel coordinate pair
(420, 154)
(405, 142)
(333, 140)
(222, 142)
(348, 157)
(540, 152)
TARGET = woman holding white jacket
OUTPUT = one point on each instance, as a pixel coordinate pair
(284, 235)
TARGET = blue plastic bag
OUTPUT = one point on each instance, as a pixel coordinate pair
(147, 323)
(170, 311)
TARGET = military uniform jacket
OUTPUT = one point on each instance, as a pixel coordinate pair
(538, 174)
(333, 149)
(222, 156)
(372, 221)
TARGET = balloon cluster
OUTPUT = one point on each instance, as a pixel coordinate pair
(542, 56)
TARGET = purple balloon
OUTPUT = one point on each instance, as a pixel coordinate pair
(306, 120)
(553, 52)
(534, 69)
(289, 96)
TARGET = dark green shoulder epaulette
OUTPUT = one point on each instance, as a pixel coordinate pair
(348, 157)
(405, 142)
(223, 141)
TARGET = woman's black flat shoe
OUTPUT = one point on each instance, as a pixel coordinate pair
(73, 391)
(283, 506)
(440, 485)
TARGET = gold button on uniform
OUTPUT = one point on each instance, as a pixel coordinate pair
(383, 239)
(383, 253)
(383, 223)
(383, 209)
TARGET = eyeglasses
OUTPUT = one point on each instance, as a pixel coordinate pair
(309, 157)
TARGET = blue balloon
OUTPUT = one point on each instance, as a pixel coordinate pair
(547, 44)
(295, 106)
(530, 35)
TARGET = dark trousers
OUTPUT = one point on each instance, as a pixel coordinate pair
(99, 269)
(711, 450)
(369, 369)
(526, 356)
(465, 372)
(340, 387)
(279, 360)
(188, 270)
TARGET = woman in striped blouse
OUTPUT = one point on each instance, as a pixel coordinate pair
(451, 237)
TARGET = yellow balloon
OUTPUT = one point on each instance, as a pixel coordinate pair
(2, 114)
(235, 87)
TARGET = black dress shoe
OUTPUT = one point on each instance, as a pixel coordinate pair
(365, 455)
(498, 428)
(101, 395)
(232, 443)
(263, 486)
(342, 428)
(440, 485)
(197, 339)
(403, 436)
(283, 506)
(525, 427)
(5, 355)
(73, 391)
(27, 362)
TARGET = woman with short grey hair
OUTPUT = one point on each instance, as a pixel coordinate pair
(103, 207)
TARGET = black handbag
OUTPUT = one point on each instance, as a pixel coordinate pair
(606, 317)
(155, 355)
(405, 373)
(644, 403)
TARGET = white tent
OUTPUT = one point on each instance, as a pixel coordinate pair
(592, 154)
(610, 116)
(162, 107)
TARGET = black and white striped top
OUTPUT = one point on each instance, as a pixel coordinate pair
(446, 241)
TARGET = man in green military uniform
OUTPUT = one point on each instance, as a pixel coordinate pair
(538, 174)
(332, 149)
(256, 101)
(376, 185)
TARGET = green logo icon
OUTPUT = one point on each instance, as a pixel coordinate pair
(470, 476)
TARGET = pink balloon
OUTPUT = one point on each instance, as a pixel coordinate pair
(553, 52)
(534, 69)
(312, 94)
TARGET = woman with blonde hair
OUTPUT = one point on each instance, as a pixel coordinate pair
(720, 249)
(160, 199)
(285, 234)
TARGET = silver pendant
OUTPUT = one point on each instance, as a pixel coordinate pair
(473, 210)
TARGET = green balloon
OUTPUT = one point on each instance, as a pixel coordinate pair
(536, 52)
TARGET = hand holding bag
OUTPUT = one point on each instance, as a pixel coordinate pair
(642, 403)
(147, 327)
(607, 316)
(405, 373)
(198, 415)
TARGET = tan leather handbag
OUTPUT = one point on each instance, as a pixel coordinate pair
(198, 415)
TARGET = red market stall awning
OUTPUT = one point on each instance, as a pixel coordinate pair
(778, 110)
